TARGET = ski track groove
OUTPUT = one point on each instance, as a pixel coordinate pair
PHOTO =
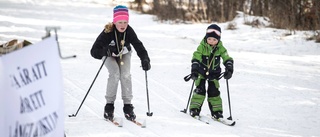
(89, 108)
(158, 95)
(162, 86)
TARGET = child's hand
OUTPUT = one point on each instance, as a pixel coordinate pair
(146, 64)
(229, 70)
(227, 74)
(194, 75)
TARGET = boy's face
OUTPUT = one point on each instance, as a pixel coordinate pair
(212, 41)
(121, 25)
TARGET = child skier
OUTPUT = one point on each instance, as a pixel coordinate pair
(113, 43)
(206, 67)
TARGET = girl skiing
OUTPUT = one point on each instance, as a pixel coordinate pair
(113, 46)
(206, 67)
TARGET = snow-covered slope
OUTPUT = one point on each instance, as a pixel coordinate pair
(274, 90)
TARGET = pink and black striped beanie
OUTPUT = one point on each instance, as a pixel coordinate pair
(214, 31)
(120, 12)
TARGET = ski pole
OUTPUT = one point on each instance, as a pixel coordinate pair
(230, 118)
(185, 110)
(148, 113)
(74, 115)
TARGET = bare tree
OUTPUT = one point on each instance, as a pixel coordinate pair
(288, 14)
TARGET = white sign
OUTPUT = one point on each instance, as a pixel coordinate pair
(31, 93)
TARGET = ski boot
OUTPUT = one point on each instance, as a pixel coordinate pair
(194, 112)
(128, 112)
(217, 114)
(108, 111)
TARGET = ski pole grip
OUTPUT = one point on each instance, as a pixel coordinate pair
(187, 78)
(221, 75)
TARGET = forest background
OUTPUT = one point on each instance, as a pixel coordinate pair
(291, 15)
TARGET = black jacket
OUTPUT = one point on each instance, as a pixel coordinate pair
(108, 35)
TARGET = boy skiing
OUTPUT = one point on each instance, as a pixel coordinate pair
(206, 67)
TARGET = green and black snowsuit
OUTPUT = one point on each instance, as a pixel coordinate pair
(207, 60)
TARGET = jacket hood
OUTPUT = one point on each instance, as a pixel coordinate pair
(108, 27)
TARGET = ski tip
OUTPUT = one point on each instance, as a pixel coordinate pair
(144, 124)
(233, 123)
(120, 123)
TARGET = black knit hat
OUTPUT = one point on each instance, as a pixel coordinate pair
(214, 31)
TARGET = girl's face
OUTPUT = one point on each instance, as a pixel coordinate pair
(212, 41)
(121, 25)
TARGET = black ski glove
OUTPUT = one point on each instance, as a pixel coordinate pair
(194, 70)
(229, 69)
(194, 75)
(145, 63)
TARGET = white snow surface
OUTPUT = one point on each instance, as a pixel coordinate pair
(274, 90)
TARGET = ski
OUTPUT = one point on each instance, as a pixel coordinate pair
(142, 125)
(116, 123)
(223, 121)
(200, 118)
(209, 120)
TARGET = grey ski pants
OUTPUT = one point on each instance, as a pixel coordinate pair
(118, 72)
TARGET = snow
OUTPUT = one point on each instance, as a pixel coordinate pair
(274, 90)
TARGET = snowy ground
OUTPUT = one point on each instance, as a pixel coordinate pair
(274, 90)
